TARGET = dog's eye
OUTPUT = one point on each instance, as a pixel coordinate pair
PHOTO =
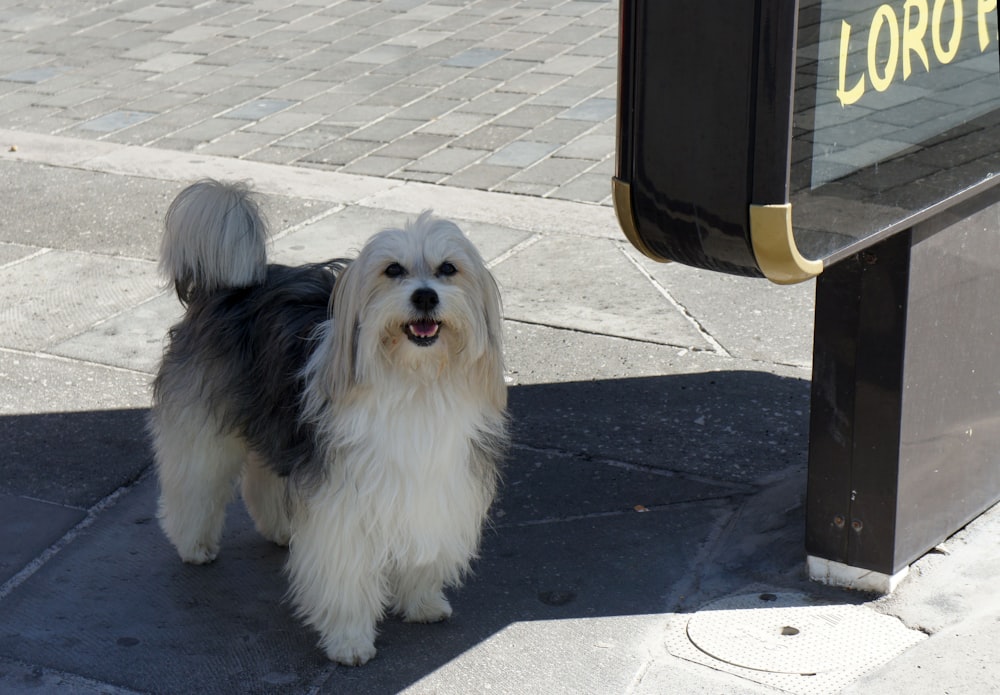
(447, 269)
(395, 270)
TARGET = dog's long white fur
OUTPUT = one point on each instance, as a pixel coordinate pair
(407, 435)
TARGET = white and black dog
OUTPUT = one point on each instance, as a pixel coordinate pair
(362, 404)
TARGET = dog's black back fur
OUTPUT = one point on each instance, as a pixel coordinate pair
(249, 346)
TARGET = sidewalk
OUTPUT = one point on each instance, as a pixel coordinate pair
(660, 412)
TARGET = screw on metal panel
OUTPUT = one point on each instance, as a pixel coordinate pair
(839, 521)
(857, 525)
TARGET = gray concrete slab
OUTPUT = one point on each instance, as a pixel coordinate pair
(131, 601)
(750, 318)
(648, 405)
(557, 559)
(96, 212)
(52, 296)
(72, 432)
(132, 339)
(28, 528)
(599, 291)
(93, 212)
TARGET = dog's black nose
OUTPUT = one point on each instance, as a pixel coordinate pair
(424, 299)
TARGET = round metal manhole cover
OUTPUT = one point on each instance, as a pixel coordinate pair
(774, 632)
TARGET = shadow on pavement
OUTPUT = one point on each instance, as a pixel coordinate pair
(612, 490)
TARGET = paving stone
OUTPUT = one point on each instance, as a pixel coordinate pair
(414, 145)
(377, 165)
(452, 67)
(274, 155)
(482, 176)
(522, 188)
(168, 62)
(208, 129)
(315, 136)
(468, 88)
(560, 130)
(380, 55)
(591, 110)
(355, 115)
(588, 188)
(475, 57)
(421, 176)
(492, 136)
(285, 122)
(258, 108)
(34, 75)
(552, 171)
(528, 115)
(116, 121)
(238, 144)
(386, 130)
(428, 108)
(521, 153)
(455, 124)
(395, 96)
(568, 64)
(447, 160)
(593, 146)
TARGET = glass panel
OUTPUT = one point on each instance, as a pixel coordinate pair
(897, 108)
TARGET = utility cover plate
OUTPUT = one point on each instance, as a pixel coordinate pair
(787, 641)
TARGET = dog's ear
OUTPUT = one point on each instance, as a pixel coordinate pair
(345, 307)
(490, 363)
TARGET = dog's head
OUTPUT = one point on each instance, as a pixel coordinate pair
(421, 300)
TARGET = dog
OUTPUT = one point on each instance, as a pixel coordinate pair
(361, 404)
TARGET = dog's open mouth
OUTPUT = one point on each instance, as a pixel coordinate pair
(423, 332)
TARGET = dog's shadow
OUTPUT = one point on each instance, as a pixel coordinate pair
(610, 492)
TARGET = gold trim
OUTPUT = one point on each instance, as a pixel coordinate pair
(621, 194)
(774, 246)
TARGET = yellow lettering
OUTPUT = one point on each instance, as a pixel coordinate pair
(884, 17)
(946, 55)
(847, 96)
(984, 9)
(890, 39)
(913, 35)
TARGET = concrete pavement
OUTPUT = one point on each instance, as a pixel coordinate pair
(660, 412)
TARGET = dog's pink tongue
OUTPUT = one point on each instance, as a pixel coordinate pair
(423, 329)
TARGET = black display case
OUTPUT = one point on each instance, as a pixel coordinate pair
(857, 143)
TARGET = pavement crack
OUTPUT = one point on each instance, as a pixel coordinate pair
(92, 515)
(644, 341)
(514, 250)
(702, 331)
(734, 486)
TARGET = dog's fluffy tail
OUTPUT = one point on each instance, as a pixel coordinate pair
(215, 237)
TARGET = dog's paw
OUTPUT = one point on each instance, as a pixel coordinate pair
(350, 653)
(199, 554)
(430, 610)
(282, 538)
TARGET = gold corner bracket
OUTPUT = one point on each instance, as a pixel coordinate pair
(774, 246)
(621, 194)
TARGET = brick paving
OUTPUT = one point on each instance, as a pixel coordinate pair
(516, 97)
